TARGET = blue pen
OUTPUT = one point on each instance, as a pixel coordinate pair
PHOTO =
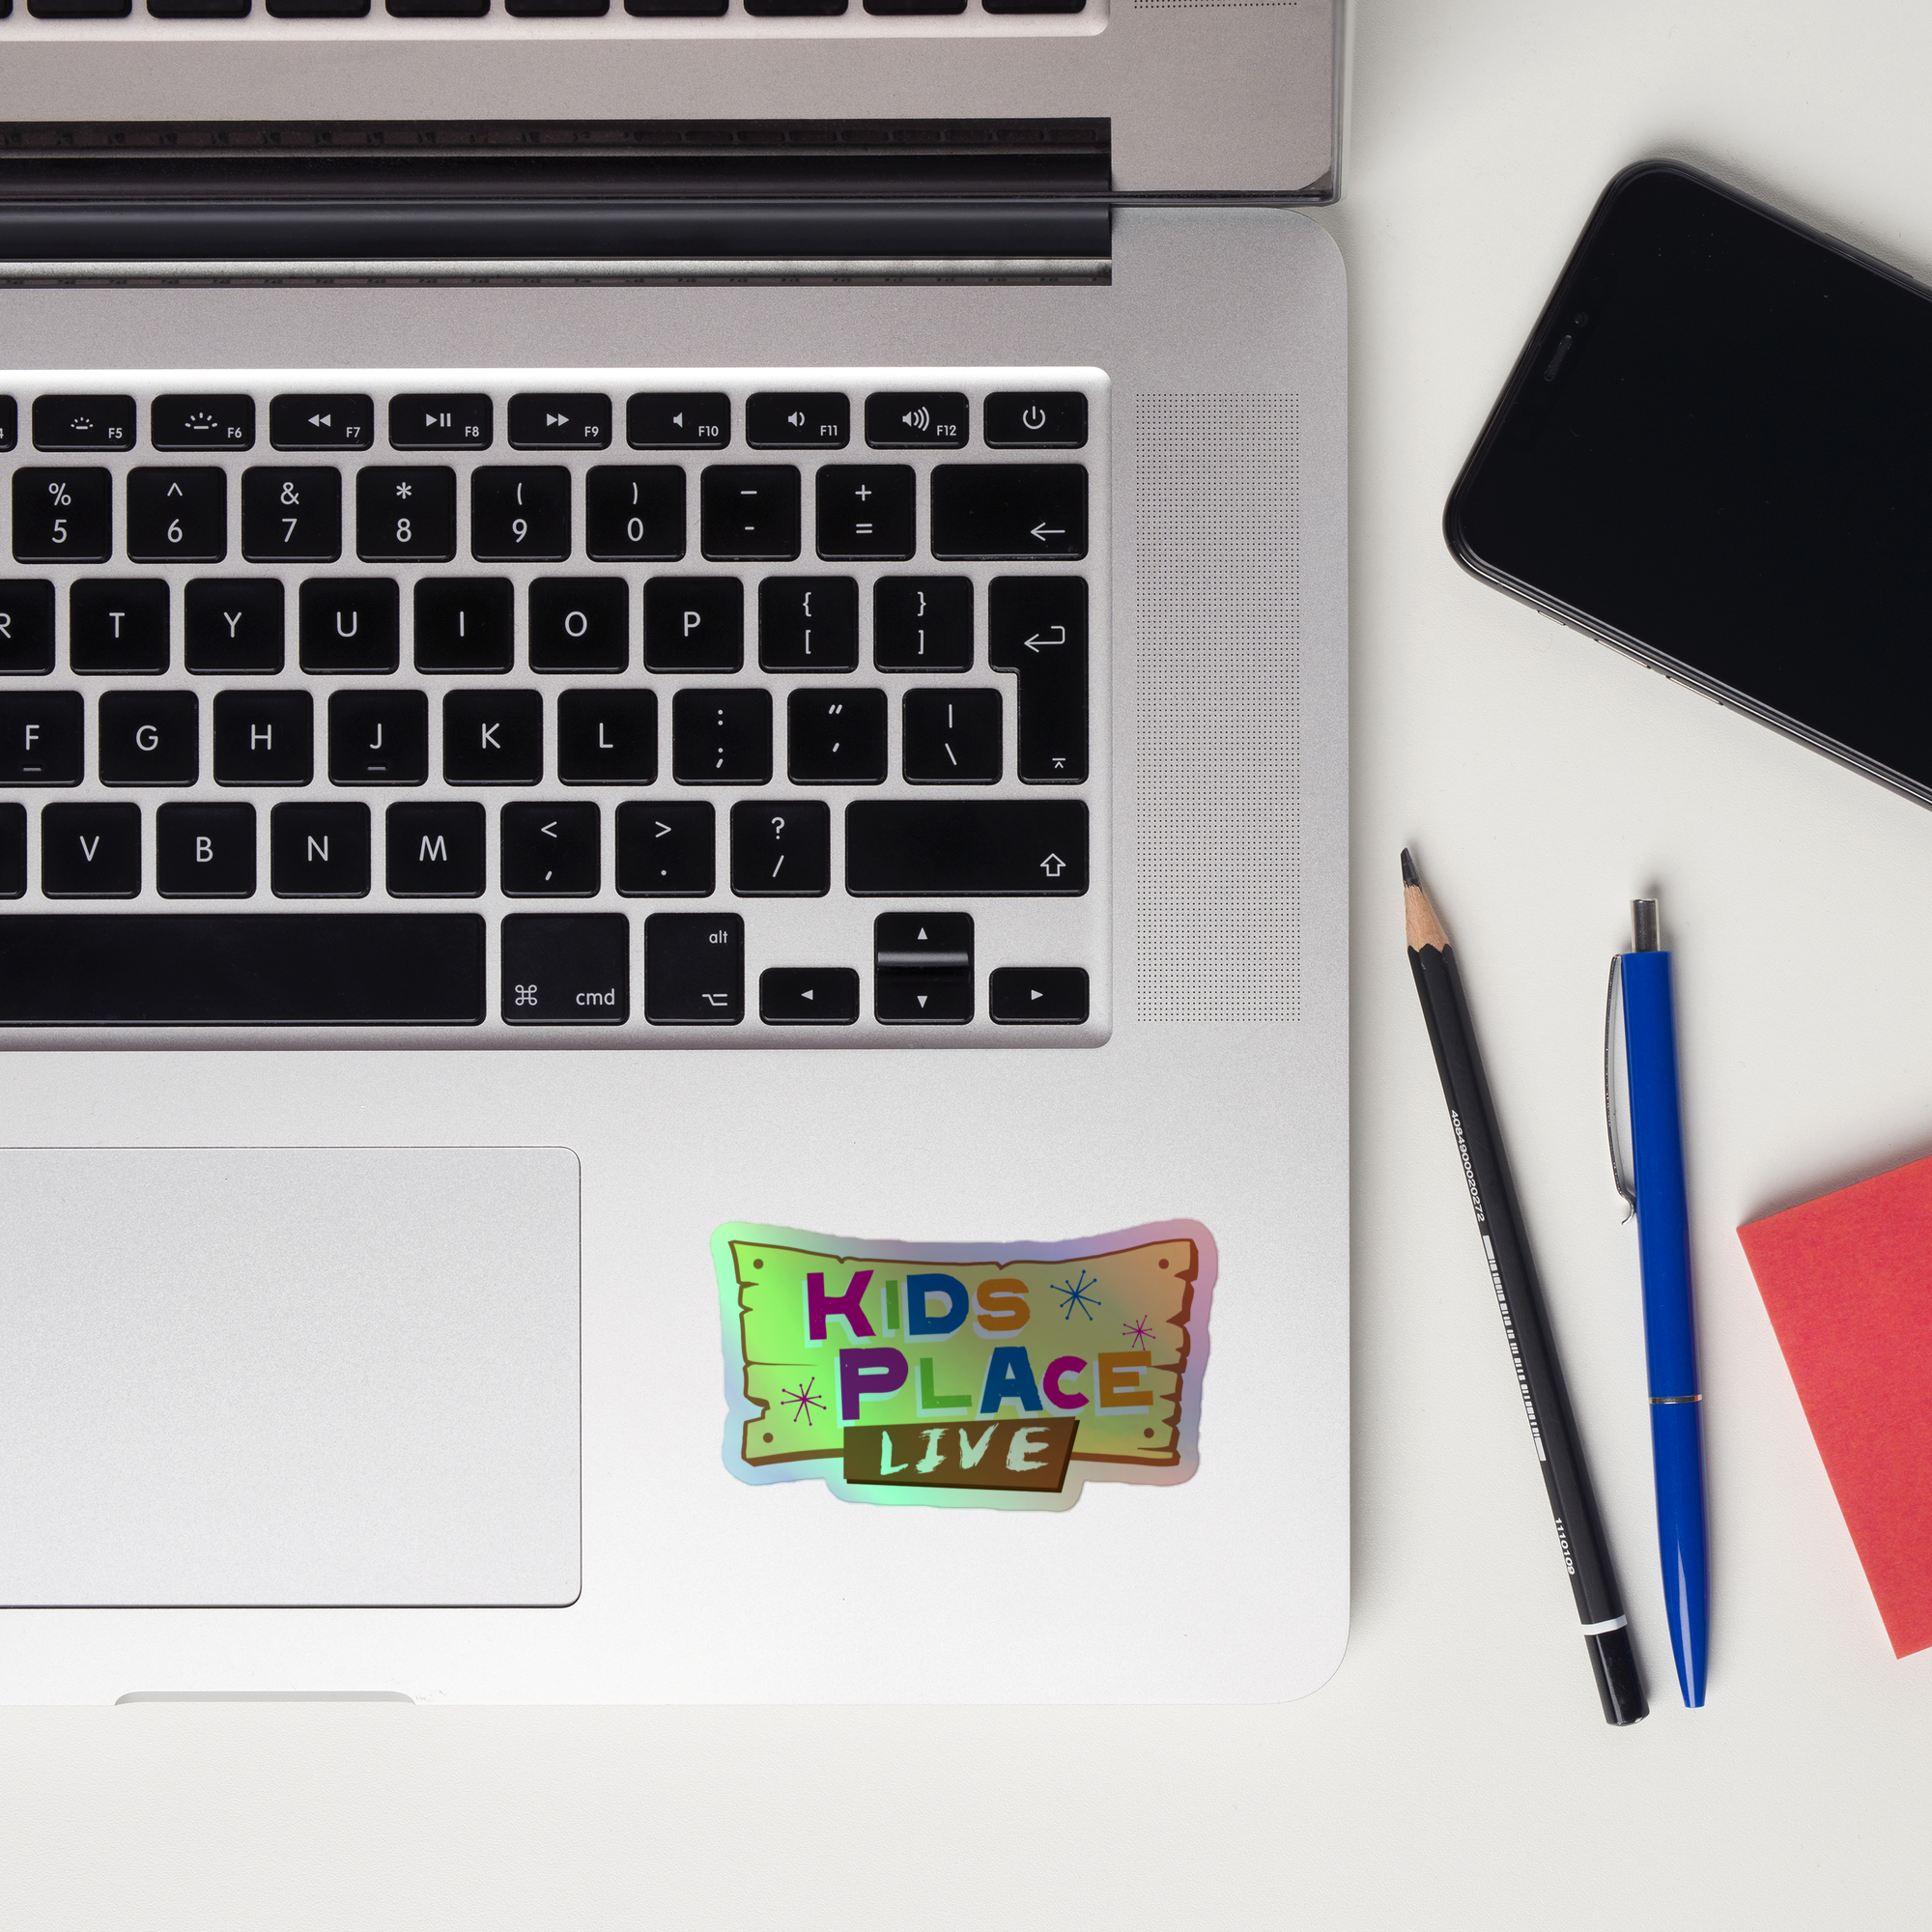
(1669, 1329)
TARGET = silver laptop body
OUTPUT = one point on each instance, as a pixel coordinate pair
(352, 1357)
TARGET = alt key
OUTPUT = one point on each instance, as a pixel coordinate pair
(808, 996)
(1038, 996)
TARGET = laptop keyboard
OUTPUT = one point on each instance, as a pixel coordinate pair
(621, 708)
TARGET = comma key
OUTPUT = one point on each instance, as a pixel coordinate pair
(566, 969)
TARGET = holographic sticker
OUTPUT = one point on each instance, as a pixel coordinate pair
(1002, 1374)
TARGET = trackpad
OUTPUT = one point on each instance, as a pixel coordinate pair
(315, 1376)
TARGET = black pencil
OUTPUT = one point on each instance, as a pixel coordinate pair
(1539, 1375)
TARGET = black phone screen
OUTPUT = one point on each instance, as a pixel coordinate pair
(1717, 451)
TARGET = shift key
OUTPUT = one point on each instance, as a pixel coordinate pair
(1010, 510)
(966, 848)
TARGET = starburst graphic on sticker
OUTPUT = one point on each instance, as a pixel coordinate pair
(1140, 1331)
(803, 1400)
(1078, 1293)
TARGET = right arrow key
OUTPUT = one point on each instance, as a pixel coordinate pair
(1010, 510)
(1038, 996)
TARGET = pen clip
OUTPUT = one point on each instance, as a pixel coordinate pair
(1625, 1191)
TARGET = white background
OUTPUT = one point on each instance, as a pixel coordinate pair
(1455, 1771)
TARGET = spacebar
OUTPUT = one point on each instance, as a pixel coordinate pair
(241, 969)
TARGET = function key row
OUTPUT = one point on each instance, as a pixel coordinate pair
(863, 512)
(540, 10)
(497, 737)
(781, 848)
(773, 419)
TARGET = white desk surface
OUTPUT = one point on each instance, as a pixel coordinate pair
(1455, 1771)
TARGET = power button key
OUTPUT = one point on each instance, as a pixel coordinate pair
(1035, 419)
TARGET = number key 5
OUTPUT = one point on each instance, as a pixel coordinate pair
(63, 516)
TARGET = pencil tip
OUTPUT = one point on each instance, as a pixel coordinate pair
(1408, 877)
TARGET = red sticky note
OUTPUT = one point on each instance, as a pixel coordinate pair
(1847, 1281)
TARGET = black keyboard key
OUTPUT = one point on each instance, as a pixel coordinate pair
(291, 516)
(435, 851)
(349, 624)
(926, 419)
(80, 9)
(749, 511)
(492, 737)
(201, 422)
(721, 737)
(377, 737)
(41, 738)
(568, 969)
(242, 968)
(63, 516)
(817, 419)
(464, 623)
(781, 849)
(922, 623)
(865, 511)
(633, 511)
(438, 10)
(1010, 510)
(318, 9)
(923, 968)
(694, 969)
(13, 851)
(1038, 996)
(607, 737)
(176, 516)
(118, 624)
(199, 10)
(1036, 628)
(322, 422)
(808, 623)
(1035, 7)
(675, 10)
(693, 623)
(150, 737)
(264, 737)
(552, 851)
(808, 996)
(666, 851)
(405, 514)
(915, 5)
(560, 422)
(10, 423)
(780, 10)
(440, 422)
(1034, 418)
(952, 737)
(84, 423)
(966, 848)
(233, 624)
(26, 627)
(519, 513)
(580, 623)
(835, 737)
(318, 851)
(685, 420)
(205, 851)
(91, 851)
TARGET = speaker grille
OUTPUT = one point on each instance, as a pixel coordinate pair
(1218, 693)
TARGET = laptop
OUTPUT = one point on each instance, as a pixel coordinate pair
(672, 869)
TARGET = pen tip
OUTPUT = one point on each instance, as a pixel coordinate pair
(1408, 877)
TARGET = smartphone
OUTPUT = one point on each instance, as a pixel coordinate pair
(1715, 453)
